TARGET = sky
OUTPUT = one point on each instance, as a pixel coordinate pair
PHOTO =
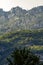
(25, 4)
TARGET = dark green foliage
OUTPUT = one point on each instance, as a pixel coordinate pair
(23, 57)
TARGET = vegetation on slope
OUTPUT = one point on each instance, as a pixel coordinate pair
(23, 57)
(34, 37)
(23, 38)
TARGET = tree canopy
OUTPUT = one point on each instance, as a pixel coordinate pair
(23, 56)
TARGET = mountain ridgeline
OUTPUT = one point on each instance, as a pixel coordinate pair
(20, 19)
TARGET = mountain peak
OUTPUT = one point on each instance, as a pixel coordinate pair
(36, 10)
(16, 9)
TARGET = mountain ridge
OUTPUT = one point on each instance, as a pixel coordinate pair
(21, 19)
(40, 8)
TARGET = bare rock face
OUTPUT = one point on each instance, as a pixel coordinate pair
(20, 19)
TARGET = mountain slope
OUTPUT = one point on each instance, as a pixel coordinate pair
(20, 19)
(32, 39)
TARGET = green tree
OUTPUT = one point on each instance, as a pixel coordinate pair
(23, 57)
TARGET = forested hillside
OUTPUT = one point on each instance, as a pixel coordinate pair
(24, 38)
